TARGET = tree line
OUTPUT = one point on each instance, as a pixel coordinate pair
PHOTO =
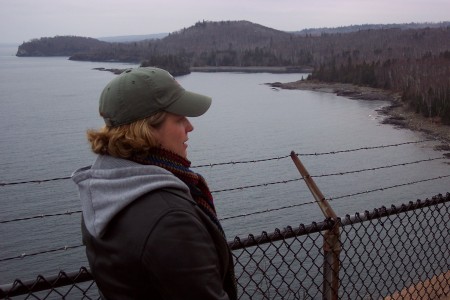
(412, 61)
(418, 67)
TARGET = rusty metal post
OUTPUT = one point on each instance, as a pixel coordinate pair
(331, 238)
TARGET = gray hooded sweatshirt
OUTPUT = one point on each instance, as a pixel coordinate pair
(110, 184)
(161, 246)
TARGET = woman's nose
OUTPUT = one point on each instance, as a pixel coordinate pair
(189, 126)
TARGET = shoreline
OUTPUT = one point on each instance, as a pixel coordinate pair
(252, 69)
(396, 114)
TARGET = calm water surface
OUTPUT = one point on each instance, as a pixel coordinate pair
(46, 105)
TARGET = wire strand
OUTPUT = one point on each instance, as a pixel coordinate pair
(390, 187)
(23, 255)
(67, 213)
(2, 184)
(333, 198)
(64, 248)
(248, 187)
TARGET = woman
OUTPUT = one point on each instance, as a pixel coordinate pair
(149, 223)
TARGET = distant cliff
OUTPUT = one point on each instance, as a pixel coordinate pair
(59, 46)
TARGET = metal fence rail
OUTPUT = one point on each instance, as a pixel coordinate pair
(389, 253)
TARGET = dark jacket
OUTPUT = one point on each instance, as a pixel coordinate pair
(160, 245)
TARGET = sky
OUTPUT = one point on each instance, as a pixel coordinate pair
(23, 20)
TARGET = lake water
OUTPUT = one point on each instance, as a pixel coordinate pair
(46, 105)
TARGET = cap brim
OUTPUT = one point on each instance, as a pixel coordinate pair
(190, 105)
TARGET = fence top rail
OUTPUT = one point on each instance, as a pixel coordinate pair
(327, 224)
(393, 210)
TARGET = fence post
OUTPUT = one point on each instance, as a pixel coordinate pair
(331, 238)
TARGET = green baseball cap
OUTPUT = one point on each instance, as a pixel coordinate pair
(139, 93)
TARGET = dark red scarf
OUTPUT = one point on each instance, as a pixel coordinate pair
(179, 166)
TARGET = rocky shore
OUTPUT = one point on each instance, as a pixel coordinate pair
(396, 114)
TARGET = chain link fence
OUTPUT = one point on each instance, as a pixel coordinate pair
(389, 253)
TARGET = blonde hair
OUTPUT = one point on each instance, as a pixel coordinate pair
(127, 140)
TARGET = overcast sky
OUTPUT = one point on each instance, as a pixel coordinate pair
(22, 20)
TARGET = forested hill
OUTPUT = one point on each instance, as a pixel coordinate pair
(235, 43)
(412, 61)
(59, 46)
(242, 43)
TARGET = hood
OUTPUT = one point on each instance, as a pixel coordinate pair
(110, 184)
